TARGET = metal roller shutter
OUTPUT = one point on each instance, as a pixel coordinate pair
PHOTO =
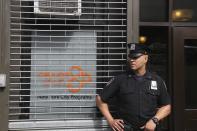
(62, 53)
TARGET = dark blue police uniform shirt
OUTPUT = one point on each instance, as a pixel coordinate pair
(137, 97)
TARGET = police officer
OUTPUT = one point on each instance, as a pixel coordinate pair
(142, 97)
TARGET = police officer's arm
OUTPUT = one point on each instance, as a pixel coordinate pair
(102, 102)
(162, 112)
(104, 108)
(164, 109)
(164, 102)
(115, 124)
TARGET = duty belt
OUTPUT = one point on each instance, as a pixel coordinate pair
(129, 127)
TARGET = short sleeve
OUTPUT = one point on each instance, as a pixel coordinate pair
(110, 90)
(164, 97)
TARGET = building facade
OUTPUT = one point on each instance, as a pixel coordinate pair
(58, 54)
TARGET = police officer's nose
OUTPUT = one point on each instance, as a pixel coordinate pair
(132, 60)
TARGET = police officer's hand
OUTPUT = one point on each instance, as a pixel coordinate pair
(117, 125)
(149, 126)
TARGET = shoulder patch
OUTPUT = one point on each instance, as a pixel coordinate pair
(110, 81)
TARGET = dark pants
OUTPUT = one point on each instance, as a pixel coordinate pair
(128, 127)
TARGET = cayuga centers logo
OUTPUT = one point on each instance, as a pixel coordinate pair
(74, 79)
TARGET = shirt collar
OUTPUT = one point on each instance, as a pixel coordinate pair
(147, 75)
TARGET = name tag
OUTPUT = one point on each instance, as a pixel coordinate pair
(153, 85)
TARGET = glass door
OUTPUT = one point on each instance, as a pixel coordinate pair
(185, 79)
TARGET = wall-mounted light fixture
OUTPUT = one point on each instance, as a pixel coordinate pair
(182, 14)
(142, 39)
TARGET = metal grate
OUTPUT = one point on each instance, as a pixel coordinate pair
(59, 63)
(58, 7)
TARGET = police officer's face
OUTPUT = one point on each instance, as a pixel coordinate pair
(139, 62)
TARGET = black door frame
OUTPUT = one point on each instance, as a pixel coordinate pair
(180, 115)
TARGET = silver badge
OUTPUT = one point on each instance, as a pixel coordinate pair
(132, 47)
(153, 85)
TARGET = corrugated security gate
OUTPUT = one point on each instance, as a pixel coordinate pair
(62, 53)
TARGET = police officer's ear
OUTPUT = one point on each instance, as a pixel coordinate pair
(146, 58)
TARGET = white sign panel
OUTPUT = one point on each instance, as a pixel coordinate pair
(63, 75)
(2, 80)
